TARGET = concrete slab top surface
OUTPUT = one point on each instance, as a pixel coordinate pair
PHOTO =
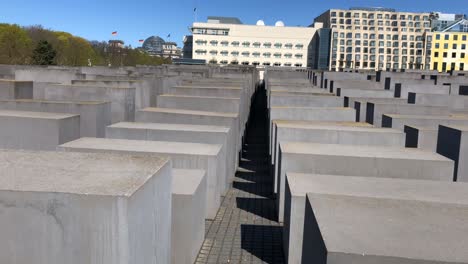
(210, 87)
(437, 117)
(92, 86)
(306, 95)
(325, 123)
(188, 112)
(370, 99)
(338, 127)
(174, 127)
(186, 181)
(312, 108)
(359, 151)
(422, 128)
(37, 115)
(77, 173)
(396, 188)
(392, 228)
(56, 102)
(144, 146)
(196, 96)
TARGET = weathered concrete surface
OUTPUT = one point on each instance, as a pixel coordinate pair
(180, 133)
(94, 116)
(180, 116)
(37, 130)
(372, 161)
(399, 121)
(79, 208)
(364, 93)
(11, 89)
(374, 111)
(360, 104)
(333, 134)
(421, 137)
(431, 233)
(184, 156)
(122, 99)
(188, 218)
(298, 184)
(207, 91)
(288, 99)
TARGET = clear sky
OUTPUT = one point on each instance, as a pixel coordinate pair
(139, 19)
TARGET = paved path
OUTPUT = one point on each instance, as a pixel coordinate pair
(245, 229)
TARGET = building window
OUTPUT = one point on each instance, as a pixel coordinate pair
(224, 53)
(235, 53)
(462, 55)
(438, 37)
(464, 38)
(287, 64)
(445, 45)
(200, 52)
(462, 66)
(463, 46)
(256, 54)
(276, 64)
(245, 44)
(278, 45)
(437, 46)
(213, 52)
(245, 63)
(436, 54)
(298, 64)
(333, 14)
(454, 46)
(267, 55)
(234, 62)
(288, 46)
(267, 45)
(299, 46)
(245, 54)
(256, 44)
(455, 37)
(224, 43)
(288, 55)
(235, 43)
(214, 43)
(224, 62)
(454, 54)
(255, 63)
(447, 37)
(277, 55)
(266, 64)
(201, 42)
(298, 56)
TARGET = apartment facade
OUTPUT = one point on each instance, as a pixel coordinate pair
(375, 39)
(449, 47)
(227, 41)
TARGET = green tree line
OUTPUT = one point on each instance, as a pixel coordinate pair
(34, 45)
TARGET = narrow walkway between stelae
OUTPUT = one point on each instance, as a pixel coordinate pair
(245, 229)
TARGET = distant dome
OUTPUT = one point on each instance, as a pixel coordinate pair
(153, 45)
(279, 24)
(260, 23)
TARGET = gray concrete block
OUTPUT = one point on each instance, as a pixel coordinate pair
(37, 130)
(374, 111)
(207, 91)
(360, 104)
(288, 99)
(180, 133)
(206, 157)
(298, 184)
(188, 219)
(373, 161)
(11, 89)
(122, 99)
(333, 134)
(180, 116)
(364, 93)
(343, 229)
(84, 208)
(452, 142)
(421, 137)
(429, 121)
(94, 116)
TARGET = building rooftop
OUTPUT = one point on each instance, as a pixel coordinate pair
(224, 20)
(382, 9)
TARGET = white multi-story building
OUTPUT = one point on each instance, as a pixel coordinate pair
(374, 38)
(224, 40)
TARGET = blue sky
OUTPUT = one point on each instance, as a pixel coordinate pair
(134, 20)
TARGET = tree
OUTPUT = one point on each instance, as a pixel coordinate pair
(44, 53)
(15, 45)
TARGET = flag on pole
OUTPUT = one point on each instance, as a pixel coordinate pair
(141, 40)
(114, 33)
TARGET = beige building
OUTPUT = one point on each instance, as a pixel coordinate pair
(227, 41)
(375, 38)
